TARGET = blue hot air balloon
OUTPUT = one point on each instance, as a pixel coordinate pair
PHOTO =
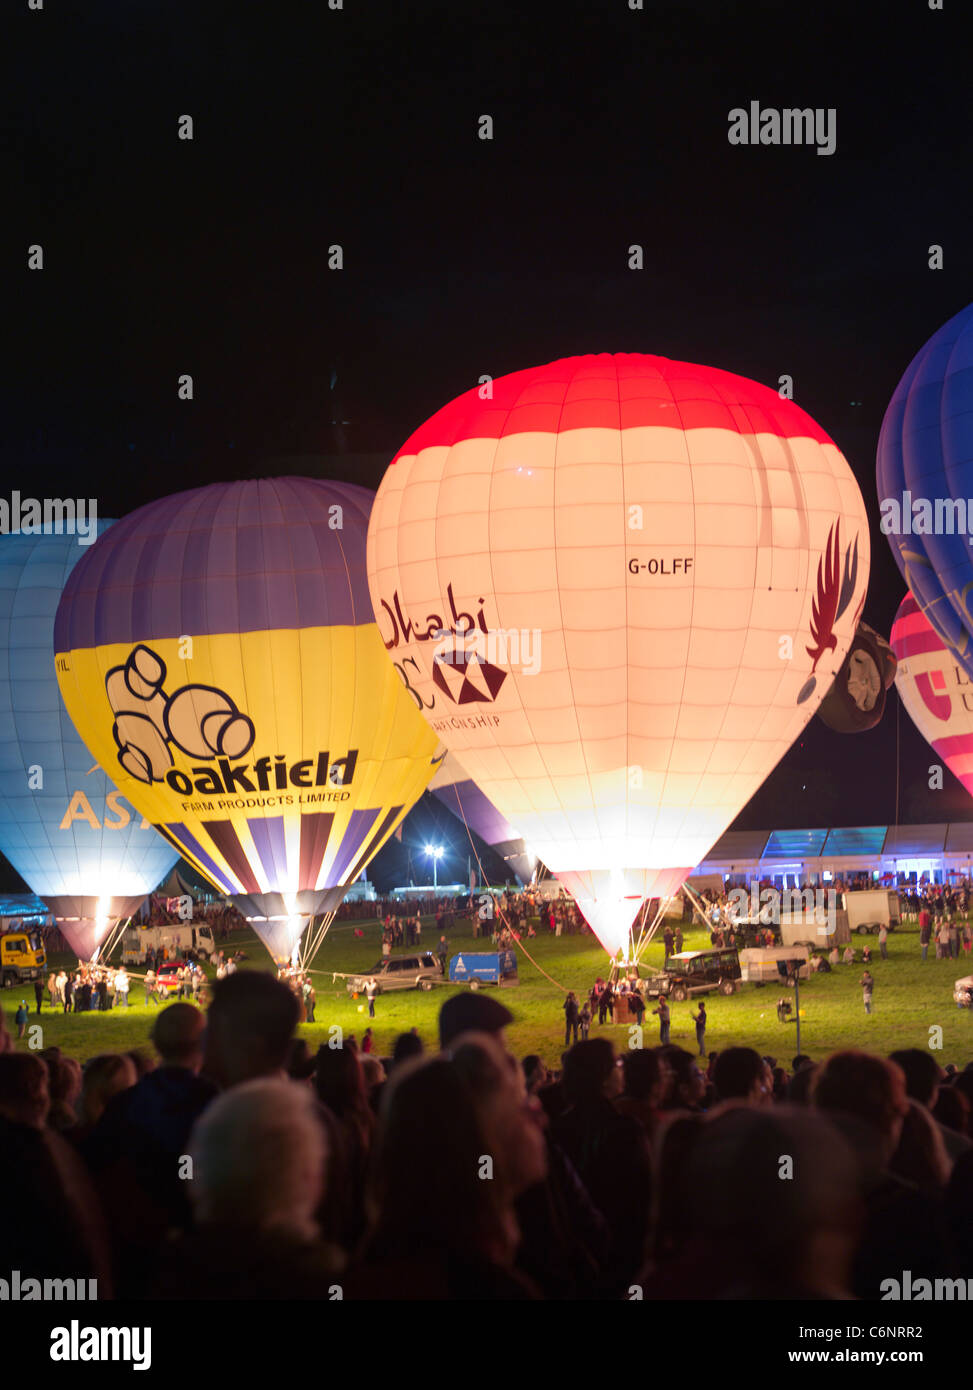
(63, 825)
(925, 481)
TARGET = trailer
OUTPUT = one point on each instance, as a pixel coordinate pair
(759, 964)
(873, 908)
(484, 968)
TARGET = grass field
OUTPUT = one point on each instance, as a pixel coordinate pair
(910, 999)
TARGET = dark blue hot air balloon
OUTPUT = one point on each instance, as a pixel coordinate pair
(925, 481)
(63, 825)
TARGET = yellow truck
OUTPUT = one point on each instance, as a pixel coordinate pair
(22, 954)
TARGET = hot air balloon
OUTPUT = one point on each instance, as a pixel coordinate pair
(618, 590)
(856, 700)
(217, 651)
(459, 793)
(925, 481)
(64, 826)
(935, 690)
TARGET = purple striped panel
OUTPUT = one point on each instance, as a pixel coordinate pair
(226, 840)
(358, 827)
(315, 833)
(374, 842)
(186, 843)
(268, 837)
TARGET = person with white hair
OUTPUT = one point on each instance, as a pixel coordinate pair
(258, 1156)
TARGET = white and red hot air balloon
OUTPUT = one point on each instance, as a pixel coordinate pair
(618, 589)
(935, 689)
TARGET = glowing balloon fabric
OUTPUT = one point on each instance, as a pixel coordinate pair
(459, 793)
(619, 588)
(63, 825)
(217, 650)
(935, 690)
(925, 481)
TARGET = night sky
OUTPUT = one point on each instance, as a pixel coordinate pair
(462, 256)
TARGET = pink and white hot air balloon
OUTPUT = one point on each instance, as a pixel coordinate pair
(618, 589)
(935, 689)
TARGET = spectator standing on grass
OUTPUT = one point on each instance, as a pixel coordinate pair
(867, 984)
(584, 1020)
(21, 1017)
(664, 1022)
(925, 932)
(700, 1022)
(121, 987)
(667, 937)
(442, 950)
(883, 939)
(371, 990)
(149, 984)
(572, 1016)
(953, 941)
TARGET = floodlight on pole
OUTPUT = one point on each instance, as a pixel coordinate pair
(436, 853)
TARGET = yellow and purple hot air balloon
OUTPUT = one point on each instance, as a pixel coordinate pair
(218, 654)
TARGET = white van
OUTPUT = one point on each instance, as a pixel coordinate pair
(176, 938)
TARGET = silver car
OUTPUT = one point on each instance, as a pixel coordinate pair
(400, 972)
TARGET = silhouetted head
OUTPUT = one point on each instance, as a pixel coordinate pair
(250, 1023)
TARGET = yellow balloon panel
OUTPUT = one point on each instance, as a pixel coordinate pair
(277, 761)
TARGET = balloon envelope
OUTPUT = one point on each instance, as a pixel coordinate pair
(619, 588)
(217, 651)
(64, 826)
(459, 793)
(934, 689)
(856, 700)
(925, 480)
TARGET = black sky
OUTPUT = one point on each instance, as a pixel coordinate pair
(359, 127)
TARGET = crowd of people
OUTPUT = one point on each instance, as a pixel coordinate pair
(87, 987)
(238, 1165)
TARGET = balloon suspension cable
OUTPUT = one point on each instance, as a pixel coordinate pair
(646, 934)
(519, 944)
(112, 937)
(698, 909)
(635, 943)
(314, 938)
